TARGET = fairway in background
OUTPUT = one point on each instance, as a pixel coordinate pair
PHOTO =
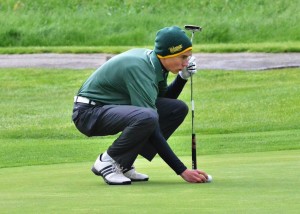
(235, 112)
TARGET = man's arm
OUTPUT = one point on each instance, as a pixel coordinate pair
(165, 151)
(167, 154)
(175, 88)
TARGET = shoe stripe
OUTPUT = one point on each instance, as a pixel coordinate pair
(106, 171)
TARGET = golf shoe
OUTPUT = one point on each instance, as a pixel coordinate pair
(134, 175)
(110, 171)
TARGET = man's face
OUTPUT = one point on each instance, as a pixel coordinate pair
(177, 63)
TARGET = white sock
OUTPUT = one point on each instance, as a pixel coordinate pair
(106, 157)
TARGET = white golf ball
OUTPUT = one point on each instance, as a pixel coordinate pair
(209, 179)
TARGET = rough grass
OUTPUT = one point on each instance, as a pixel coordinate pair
(134, 22)
(266, 47)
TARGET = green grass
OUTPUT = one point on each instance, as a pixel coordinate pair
(247, 123)
(135, 22)
(266, 182)
(248, 138)
(266, 47)
(234, 112)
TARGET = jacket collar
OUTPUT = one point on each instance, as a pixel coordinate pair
(159, 70)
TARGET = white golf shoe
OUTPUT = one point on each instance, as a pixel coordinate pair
(134, 175)
(110, 171)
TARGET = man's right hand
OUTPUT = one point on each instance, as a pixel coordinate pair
(194, 176)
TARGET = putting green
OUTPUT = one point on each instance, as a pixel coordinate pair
(266, 182)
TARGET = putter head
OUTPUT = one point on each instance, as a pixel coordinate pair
(192, 28)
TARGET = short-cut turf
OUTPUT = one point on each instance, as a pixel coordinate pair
(265, 182)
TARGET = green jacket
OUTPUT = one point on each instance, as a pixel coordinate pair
(135, 77)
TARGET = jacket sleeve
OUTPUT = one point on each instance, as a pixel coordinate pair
(175, 88)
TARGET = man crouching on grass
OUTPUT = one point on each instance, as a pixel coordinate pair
(129, 94)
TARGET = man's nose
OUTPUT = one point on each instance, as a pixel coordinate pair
(185, 63)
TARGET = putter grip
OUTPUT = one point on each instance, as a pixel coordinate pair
(194, 152)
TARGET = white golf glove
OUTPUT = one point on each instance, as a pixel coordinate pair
(191, 69)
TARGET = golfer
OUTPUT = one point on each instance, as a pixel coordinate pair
(129, 95)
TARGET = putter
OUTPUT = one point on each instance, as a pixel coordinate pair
(193, 28)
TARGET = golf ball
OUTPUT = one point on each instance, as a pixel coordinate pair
(209, 179)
